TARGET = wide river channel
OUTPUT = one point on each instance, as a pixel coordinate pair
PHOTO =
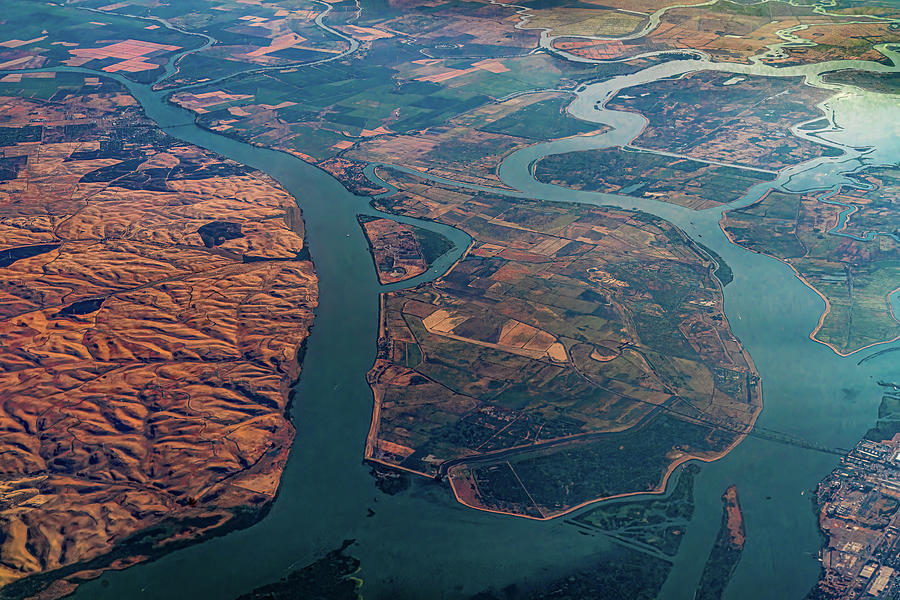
(421, 543)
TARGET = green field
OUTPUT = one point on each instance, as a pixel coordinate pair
(541, 121)
(53, 30)
(632, 461)
(854, 275)
(657, 523)
(881, 83)
(680, 181)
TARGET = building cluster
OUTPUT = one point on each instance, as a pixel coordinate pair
(859, 514)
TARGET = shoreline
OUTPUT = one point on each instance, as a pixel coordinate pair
(827, 310)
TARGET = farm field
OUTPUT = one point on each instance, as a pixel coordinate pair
(247, 34)
(365, 112)
(48, 35)
(685, 182)
(545, 347)
(845, 246)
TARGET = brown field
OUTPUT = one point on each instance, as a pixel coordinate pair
(739, 120)
(846, 41)
(133, 54)
(480, 23)
(144, 364)
(395, 250)
(615, 18)
(730, 36)
(639, 6)
(734, 521)
(586, 21)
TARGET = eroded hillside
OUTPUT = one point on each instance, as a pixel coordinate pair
(154, 299)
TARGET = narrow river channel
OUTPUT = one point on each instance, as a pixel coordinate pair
(421, 543)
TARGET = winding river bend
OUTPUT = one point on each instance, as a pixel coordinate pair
(421, 544)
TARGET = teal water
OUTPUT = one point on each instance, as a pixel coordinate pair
(420, 540)
(422, 544)
(808, 391)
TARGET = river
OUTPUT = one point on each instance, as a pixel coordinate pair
(421, 543)
(808, 390)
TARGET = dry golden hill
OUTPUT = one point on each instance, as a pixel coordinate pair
(153, 299)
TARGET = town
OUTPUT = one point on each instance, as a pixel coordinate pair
(858, 504)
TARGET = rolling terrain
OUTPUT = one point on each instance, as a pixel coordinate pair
(155, 298)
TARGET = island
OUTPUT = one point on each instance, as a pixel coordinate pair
(566, 335)
(401, 251)
(726, 119)
(726, 551)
